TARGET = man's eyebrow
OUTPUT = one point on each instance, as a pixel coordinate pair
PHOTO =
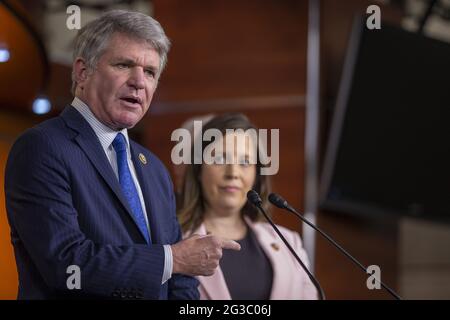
(123, 60)
(131, 62)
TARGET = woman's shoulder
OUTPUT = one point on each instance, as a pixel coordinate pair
(200, 230)
(267, 230)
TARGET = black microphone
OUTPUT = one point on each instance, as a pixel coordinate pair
(255, 199)
(279, 202)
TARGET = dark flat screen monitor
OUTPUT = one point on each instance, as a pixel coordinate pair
(389, 145)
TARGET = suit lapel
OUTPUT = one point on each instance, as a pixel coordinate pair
(89, 143)
(147, 192)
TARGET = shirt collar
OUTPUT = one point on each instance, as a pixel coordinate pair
(105, 134)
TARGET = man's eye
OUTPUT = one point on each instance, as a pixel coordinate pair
(149, 73)
(121, 65)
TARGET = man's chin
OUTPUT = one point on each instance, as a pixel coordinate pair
(128, 125)
(127, 121)
(120, 124)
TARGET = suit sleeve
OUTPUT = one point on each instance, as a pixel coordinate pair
(181, 287)
(44, 221)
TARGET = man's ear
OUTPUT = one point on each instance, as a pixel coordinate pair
(80, 71)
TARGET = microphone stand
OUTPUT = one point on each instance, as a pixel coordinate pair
(279, 202)
(255, 199)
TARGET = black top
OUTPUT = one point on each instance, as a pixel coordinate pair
(248, 272)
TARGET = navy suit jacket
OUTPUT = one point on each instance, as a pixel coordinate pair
(65, 207)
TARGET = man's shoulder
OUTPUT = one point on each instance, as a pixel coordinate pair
(48, 139)
(43, 133)
(38, 145)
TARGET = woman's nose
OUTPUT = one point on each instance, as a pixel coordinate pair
(232, 171)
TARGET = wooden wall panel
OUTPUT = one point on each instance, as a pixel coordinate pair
(11, 126)
(225, 49)
(9, 282)
(371, 242)
(247, 56)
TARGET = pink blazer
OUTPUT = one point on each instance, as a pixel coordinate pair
(289, 282)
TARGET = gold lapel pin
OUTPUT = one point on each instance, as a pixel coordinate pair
(142, 158)
(275, 246)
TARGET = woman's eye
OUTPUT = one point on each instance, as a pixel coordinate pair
(219, 159)
(244, 162)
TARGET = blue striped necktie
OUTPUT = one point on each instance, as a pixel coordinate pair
(128, 186)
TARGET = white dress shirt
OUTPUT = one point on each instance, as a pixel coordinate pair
(106, 136)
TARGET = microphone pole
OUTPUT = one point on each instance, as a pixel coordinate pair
(255, 199)
(281, 203)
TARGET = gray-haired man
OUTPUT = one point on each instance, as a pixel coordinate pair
(80, 193)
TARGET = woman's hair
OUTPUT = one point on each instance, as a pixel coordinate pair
(192, 201)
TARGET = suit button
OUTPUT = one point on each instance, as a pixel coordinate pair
(139, 294)
(123, 294)
(115, 294)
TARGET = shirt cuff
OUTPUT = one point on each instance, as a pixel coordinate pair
(168, 263)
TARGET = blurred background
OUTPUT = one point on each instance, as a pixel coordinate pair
(363, 116)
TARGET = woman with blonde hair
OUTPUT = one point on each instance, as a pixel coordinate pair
(213, 201)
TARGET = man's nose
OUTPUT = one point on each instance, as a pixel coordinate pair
(137, 78)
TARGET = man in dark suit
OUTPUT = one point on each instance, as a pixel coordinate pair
(82, 196)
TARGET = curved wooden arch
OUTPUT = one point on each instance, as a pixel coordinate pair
(25, 75)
